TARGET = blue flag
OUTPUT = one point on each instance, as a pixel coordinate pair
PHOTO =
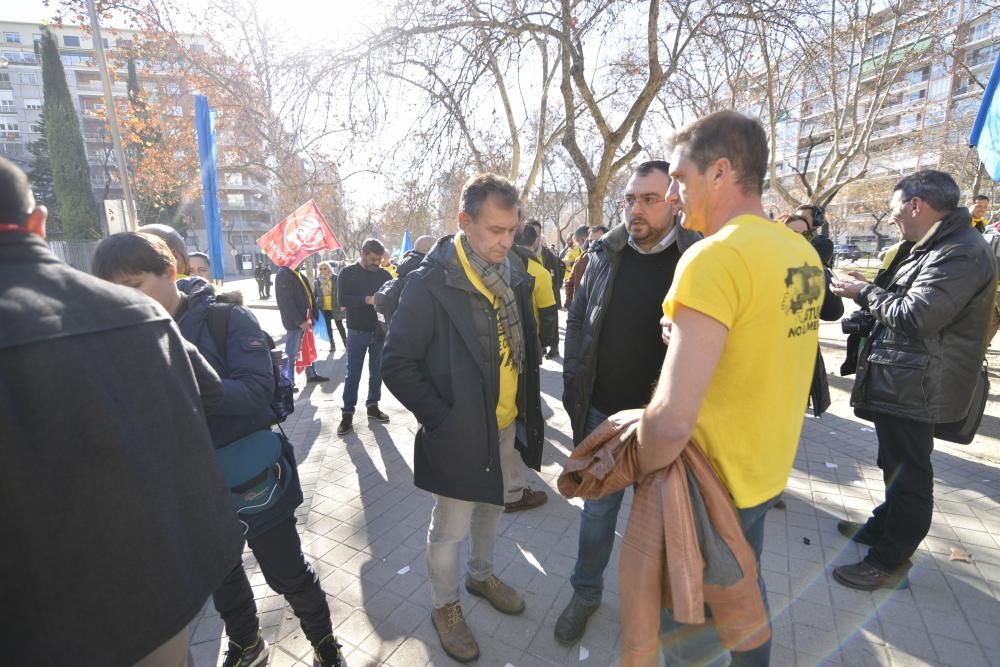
(985, 133)
(406, 245)
(205, 124)
(319, 326)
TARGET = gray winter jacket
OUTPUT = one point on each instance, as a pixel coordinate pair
(586, 318)
(929, 339)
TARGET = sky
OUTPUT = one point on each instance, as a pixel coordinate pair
(313, 22)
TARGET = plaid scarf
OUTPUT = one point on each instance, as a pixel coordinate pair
(496, 278)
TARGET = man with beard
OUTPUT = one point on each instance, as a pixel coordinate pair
(614, 353)
(356, 288)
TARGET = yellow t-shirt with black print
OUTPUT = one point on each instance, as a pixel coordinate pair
(765, 283)
(507, 402)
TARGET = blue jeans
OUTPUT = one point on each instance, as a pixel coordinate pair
(293, 343)
(699, 644)
(359, 342)
(597, 536)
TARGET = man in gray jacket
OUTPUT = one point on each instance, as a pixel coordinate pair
(919, 366)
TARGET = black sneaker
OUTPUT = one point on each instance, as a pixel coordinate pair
(327, 653)
(316, 377)
(246, 656)
(377, 415)
(346, 424)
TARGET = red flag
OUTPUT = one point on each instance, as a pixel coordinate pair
(299, 235)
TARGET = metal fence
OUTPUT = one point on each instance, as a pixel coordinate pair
(77, 254)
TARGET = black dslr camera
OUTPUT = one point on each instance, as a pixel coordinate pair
(860, 322)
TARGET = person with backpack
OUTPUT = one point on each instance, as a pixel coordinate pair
(106, 459)
(230, 339)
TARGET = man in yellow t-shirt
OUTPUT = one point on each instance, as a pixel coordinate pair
(742, 320)
(462, 355)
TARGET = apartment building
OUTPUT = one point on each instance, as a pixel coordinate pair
(245, 199)
(948, 50)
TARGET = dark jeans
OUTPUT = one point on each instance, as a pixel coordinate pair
(358, 343)
(279, 554)
(597, 536)
(328, 316)
(699, 644)
(898, 525)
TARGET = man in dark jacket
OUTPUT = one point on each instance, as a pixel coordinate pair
(919, 366)
(614, 353)
(356, 288)
(117, 522)
(462, 355)
(296, 303)
(239, 352)
(386, 299)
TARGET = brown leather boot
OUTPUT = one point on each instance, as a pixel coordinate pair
(503, 598)
(456, 637)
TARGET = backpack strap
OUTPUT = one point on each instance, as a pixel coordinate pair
(218, 326)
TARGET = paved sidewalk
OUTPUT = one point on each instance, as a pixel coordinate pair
(364, 527)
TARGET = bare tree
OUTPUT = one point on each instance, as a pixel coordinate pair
(847, 104)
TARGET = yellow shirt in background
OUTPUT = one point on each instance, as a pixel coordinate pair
(570, 258)
(542, 295)
(766, 286)
(507, 401)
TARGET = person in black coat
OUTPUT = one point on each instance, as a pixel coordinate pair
(297, 304)
(462, 355)
(919, 366)
(117, 520)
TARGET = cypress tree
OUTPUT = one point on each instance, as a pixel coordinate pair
(40, 175)
(70, 172)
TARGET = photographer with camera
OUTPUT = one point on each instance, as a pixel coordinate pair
(923, 328)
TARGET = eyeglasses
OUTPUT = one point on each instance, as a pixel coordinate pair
(646, 200)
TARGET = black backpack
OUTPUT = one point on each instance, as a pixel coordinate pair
(282, 398)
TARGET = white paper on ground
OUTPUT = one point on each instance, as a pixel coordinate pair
(865, 429)
(403, 570)
(508, 665)
(584, 654)
(831, 465)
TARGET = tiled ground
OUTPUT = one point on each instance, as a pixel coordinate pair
(364, 524)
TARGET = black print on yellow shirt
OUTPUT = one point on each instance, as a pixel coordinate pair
(804, 286)
(505, 356)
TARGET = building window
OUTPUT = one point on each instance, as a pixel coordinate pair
(938, 89)
(28, 78)
(918, 76)
(5, 80)
(12, 37)
(10, 131)
(123, 43)
(235, 199)
(234, 178)
(915, 96)
(36, 128)
(71, 40)
(6, 105)
(33, 104)
(979, 31)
